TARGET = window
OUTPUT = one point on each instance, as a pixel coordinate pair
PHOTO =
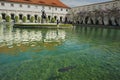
(49, 8)
(20, 5)
(66, 9)
(28, 6)
(36, 6)
(56, 9)
(43, 7)
(61, 9)
(12, 5)
(3, 4)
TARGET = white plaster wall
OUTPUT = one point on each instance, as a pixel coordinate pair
(32, 10)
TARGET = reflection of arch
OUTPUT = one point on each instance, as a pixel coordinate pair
(12, 16)
(20, 16)
(28, 16)
(3, 15)
(49, 17)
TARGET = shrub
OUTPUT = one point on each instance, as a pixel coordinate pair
(8, 19)
(39, 19)
(24, 19)
(32, 19)
(53, 20)
(16, 19)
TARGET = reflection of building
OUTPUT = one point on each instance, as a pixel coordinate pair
(8, 37)
(28, 8)
(54, 35)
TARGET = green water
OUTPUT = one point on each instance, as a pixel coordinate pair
(38, 54)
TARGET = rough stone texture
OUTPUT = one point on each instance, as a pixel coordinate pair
(113, 20)
(100, 20)
(106, 20)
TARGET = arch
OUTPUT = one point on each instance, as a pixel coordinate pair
(61, 18)
(116, 22)
(12, 16)
(36, 17)
(91, 21)
(86, 19)
(55, 17)
(49, 17)
(110, 22)
(28, 16)
(20, 16)
(66, 19)
(3, 15)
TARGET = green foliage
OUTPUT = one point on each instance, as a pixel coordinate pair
(32, 19)
(8, 19)
(53, 20)
(39, 19)
(47, 20)
(16, 19)
(24, 19)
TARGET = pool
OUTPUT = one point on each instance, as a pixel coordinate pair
(83, 53)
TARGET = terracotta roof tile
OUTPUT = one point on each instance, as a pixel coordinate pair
(56, 3)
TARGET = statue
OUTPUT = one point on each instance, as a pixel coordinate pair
(43, 16)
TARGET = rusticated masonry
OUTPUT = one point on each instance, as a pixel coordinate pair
(106, 13)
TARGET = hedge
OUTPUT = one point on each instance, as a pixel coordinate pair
(16, 19)
(24, 19)
(8, 19)
(32, 19)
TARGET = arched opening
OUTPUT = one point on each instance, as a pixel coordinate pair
(110, 22)
(116, 22)
(81, 22)
(3, 15)
(55, 17)
(12, 16)
(66, 19)
(61, 18)
(91, 21)
(49, 17)
(97, 22)
(28, 17)
(20, 16)
(36, 17)
(86, 19)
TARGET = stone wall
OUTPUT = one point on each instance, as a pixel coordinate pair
(106, 13)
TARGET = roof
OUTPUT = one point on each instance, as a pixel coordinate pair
(56, 3)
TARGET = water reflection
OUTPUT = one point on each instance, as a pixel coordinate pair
(10, 38)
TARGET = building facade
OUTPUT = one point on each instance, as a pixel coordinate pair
(53, 9)
(106, 13)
